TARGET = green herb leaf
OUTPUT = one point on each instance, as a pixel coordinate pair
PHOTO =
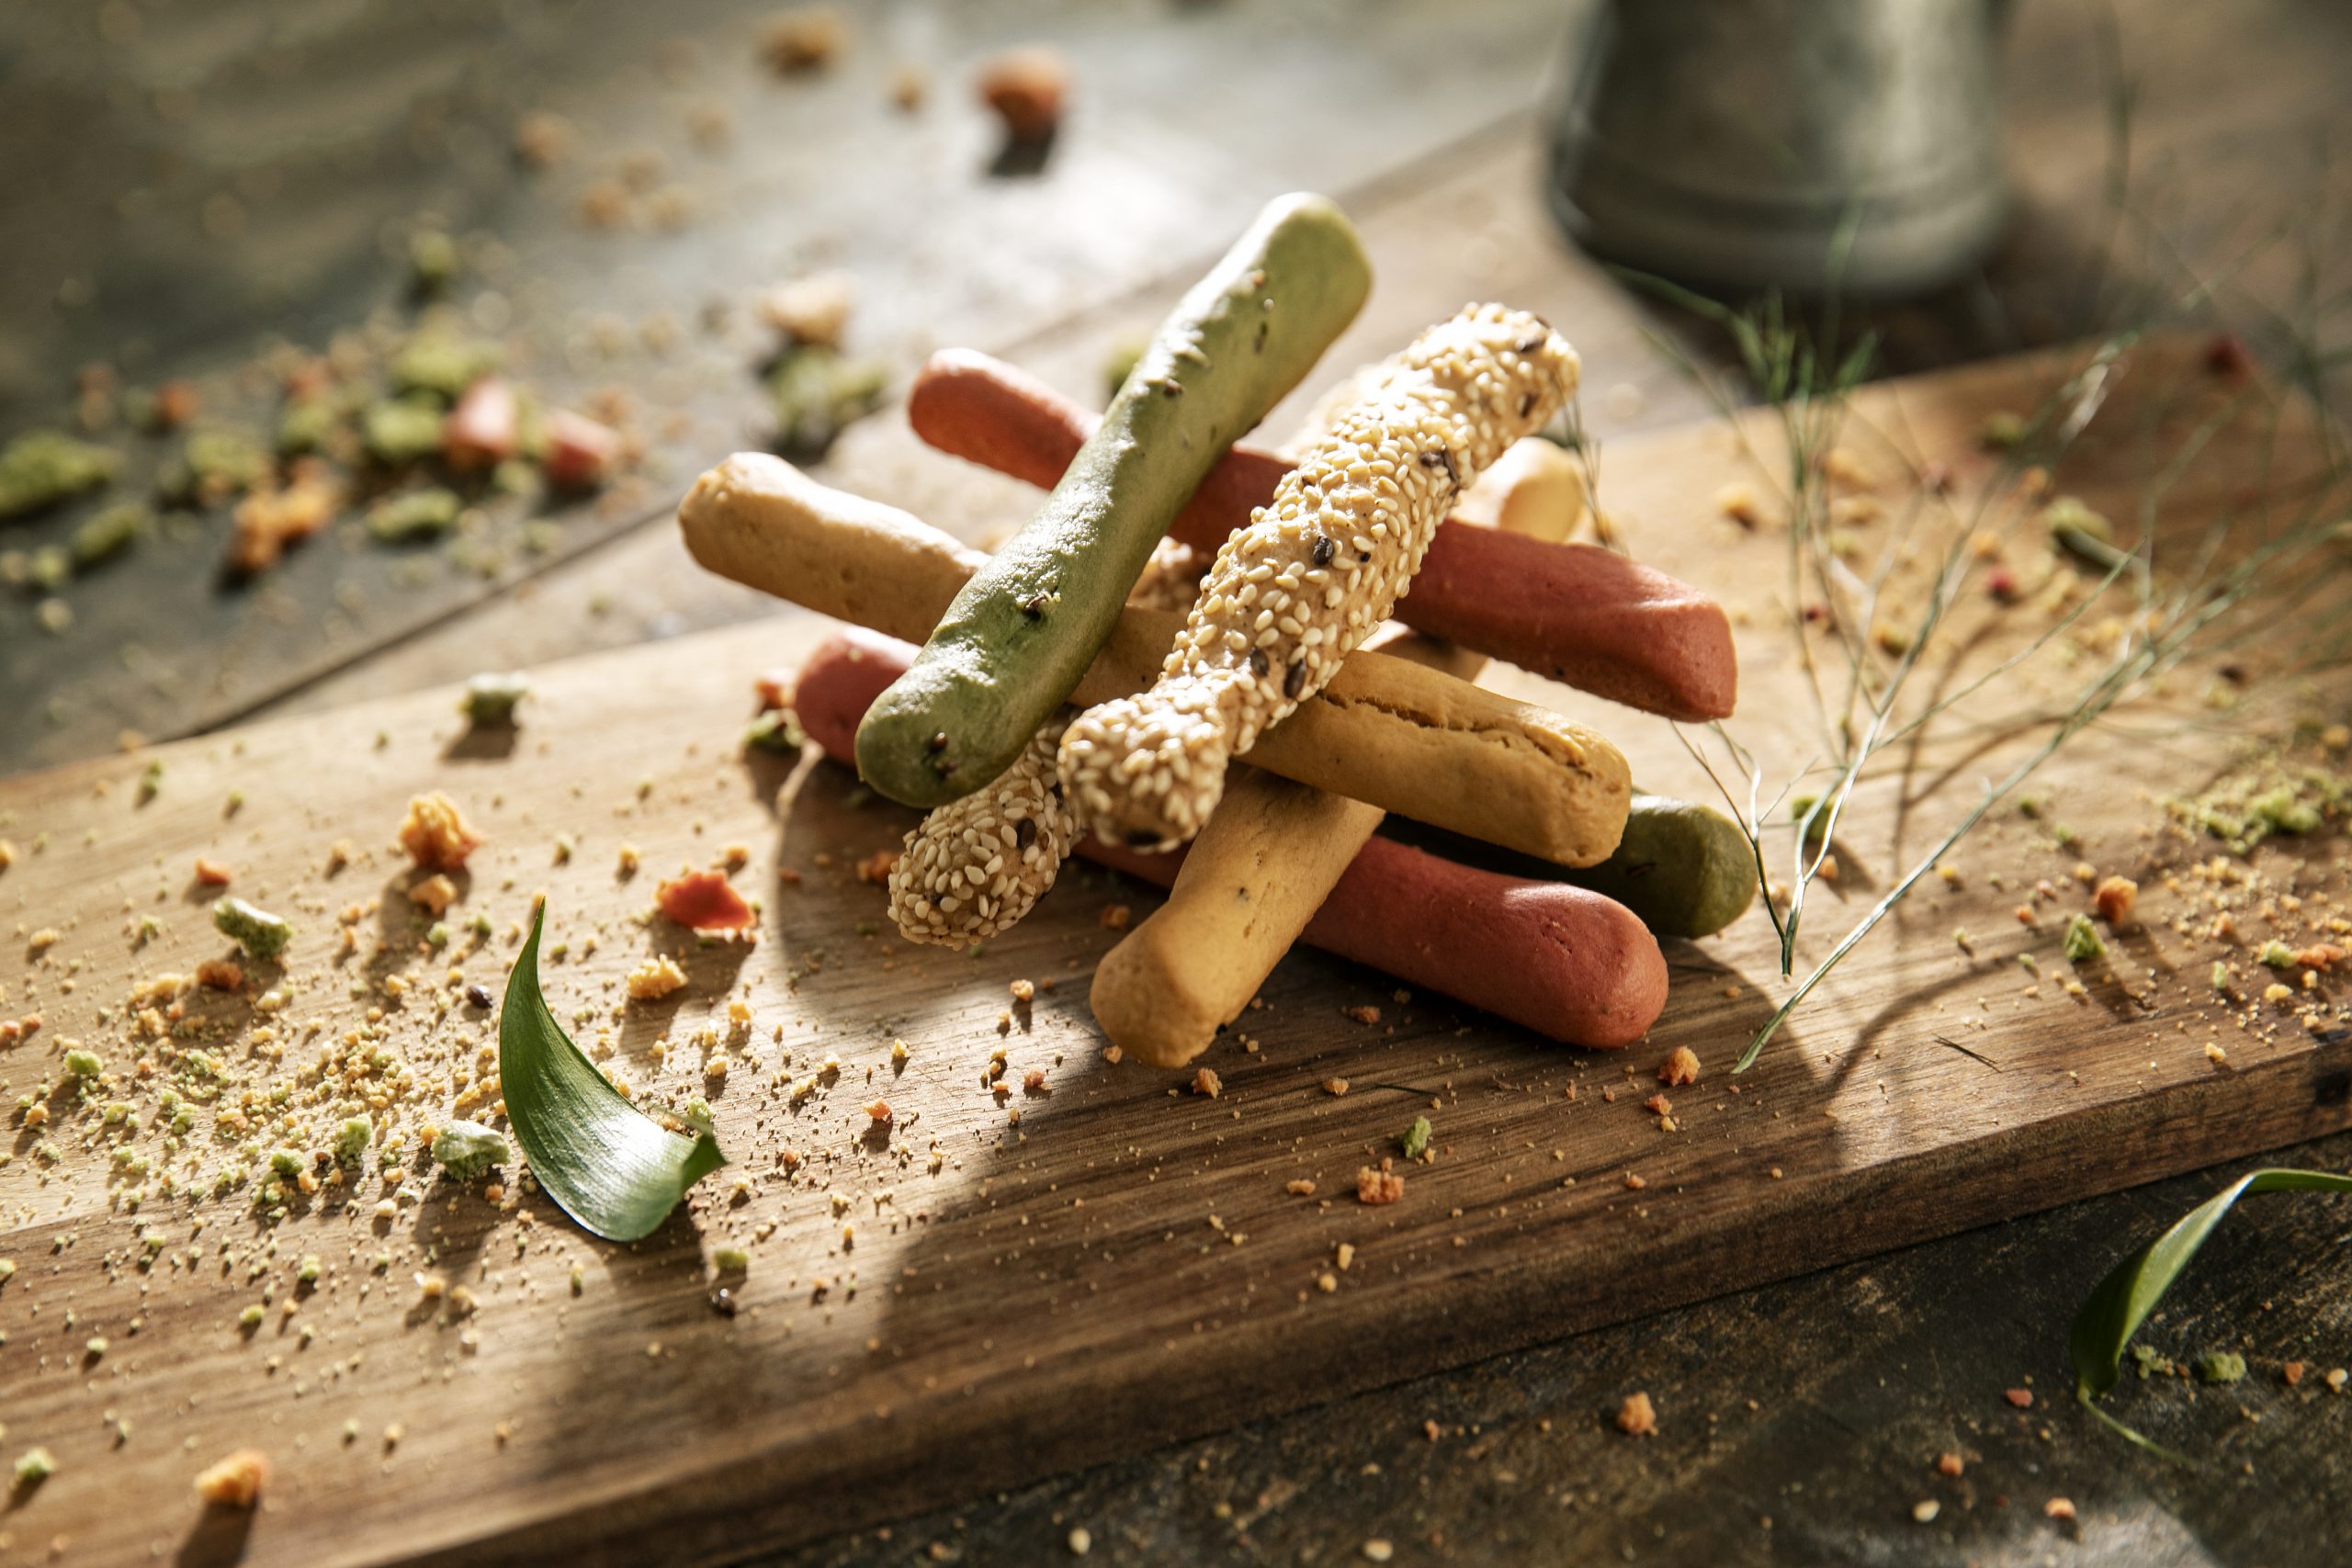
(605, 1163)
(2125, 1298)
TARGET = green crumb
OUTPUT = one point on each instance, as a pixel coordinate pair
(491, 699)
(1416, 1138)
(466, 1149)
(2263, 798)
(250, 1317)
(578, 1278)
(2029, 963)
(351, 1140)
(2154, 1363)
(443, 365)
(8, 1270)
(307, 1273)
(286, 1162)
(94, 1347)
(776, 731)
(437, 935)
(402, 430)
(480, 925)
(2001, 432)
(151, 781)
(83, 1064)
(219, 462)
(2221, 1366)
(33, 1467)
(731, 1259)
(307, 424)
(2030, 806)
(433, 261)
(2275, 954)
(41, 468)
(419, 516)
(108, 532)
(259, 932)
(2220, 977)
(817, 391)
(2083, 943)
(2065, 838)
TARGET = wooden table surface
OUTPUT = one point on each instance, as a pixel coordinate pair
(176, 192)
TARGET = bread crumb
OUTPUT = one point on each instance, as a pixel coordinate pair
(655, 978)
(1299, 1187)
(1115, 917)
(1335, 1086)
(2114, 898)
(434, 895)
(1637, 1418)
(1634, 1183)
(236, 1482)
(436, 834)
(1206, 1082)
(2059, 1508)
(1023, 990)
(1378, 1186)
(1681, 1067)
(1365, 1014)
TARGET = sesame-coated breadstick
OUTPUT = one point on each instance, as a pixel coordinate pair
(973, 867)
(1290, 596)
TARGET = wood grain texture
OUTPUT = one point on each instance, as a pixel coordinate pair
(1121, 1265)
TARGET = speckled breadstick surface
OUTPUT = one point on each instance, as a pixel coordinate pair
(1321, 565)
(973, 867)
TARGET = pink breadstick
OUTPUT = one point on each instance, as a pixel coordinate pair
(1576, 612)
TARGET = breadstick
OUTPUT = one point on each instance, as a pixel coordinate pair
(1566, 962)
(1408, 740)
(1011, 648)
(1272, 850)
(1576, 613)
(1316, 569)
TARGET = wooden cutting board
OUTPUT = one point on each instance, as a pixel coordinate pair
(1003, 1287)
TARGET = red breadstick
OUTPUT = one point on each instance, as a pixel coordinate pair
(1576, 612)
(1564, 962)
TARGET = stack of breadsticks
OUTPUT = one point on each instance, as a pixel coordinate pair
(1266, 731)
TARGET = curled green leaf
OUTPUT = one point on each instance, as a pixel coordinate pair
(605, 1162)
(2114, 1313)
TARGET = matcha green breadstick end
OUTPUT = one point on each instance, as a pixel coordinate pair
(1016, 641)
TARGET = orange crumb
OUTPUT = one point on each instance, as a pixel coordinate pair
(1681, 1067)
(1366, 1014)
(875, 867)
(1335, 1086)
(1637, 1416)
(1634, 1183)
(1115, 917)
(2020, 1397)
(879, 1110)
(1948, 1465)
(2114, 898)
(221, 975)
(236, 1482)
(705, 901)
(1378, 1186)
(2059, 1508)
(1206, 1082)
(212, 873)
(1301, 1188)
(436, 834)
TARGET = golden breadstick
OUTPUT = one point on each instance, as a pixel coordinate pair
(1290, 596)
(1408, 740)
(1272, 850)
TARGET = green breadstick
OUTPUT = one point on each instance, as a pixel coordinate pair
(1014, 643)
(1687, 870)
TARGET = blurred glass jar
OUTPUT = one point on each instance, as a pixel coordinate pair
(1811, 145)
